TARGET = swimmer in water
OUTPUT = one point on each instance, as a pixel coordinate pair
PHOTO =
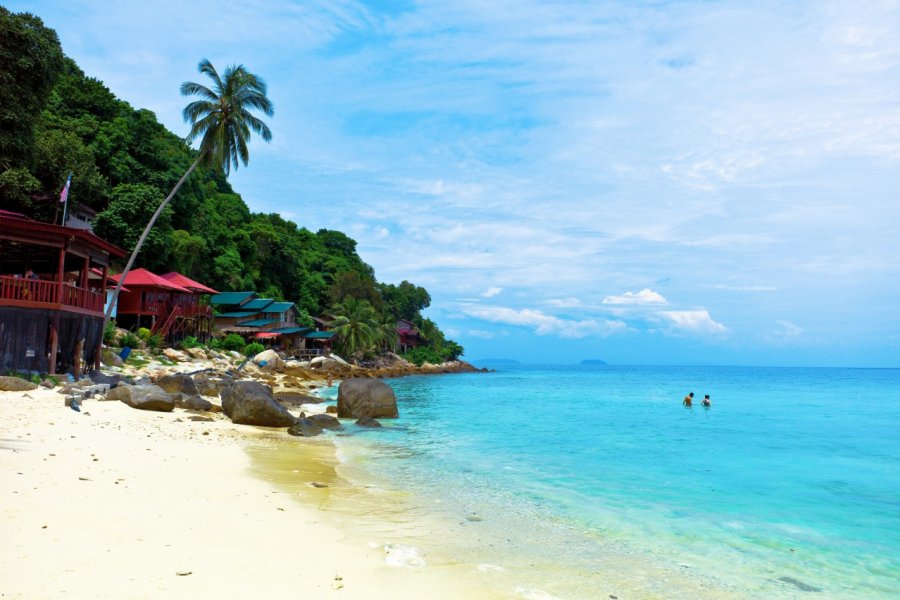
(706, 401)
(689, 399)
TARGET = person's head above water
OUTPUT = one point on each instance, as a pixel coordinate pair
(691, 394)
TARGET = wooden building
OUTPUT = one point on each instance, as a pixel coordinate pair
(171, 305)
(51, 303)
(407, 335)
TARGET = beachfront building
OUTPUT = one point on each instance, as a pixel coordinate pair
(407, 335)
(53, 283)
(268, 321)
(171, 305)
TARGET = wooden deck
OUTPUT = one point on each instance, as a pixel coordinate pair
(53, 295)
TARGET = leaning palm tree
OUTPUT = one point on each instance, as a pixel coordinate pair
(357, 325)
(223, 122)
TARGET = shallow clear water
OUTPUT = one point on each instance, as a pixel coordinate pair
(581, 482)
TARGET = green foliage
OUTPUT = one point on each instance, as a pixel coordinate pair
(130, 340)
(357, 326)
(405, 301)
(215, 344)
(233, 342)
(155, 341)
(109, 332)
(188, 342)
(253, 349)
(435, 356)
(36, 379)
(130, 208)
(143, 333)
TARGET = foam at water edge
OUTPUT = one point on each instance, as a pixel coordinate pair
(402, 556)
(532, 594)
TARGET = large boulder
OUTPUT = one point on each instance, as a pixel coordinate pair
(359, 397)
(305, 428)
(251, 403)
(110, 358)
(175, 355)
(195, 403)
(294, 397)
(178, 383)
(16, 384)
(112, 380)
(210, 384)
(197, 353)
(268, 360)
(326, 421)
(143, 397)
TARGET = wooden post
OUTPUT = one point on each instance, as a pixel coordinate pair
(85, 267)
(54, 342)
(76, 361)
(59, 273)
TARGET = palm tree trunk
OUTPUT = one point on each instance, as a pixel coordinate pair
(140, 242)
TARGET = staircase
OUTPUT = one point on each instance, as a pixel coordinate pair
(162, 326)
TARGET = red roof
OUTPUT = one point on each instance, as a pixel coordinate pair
(187, 282)
(15, 222)
(266, 334)
(143, 277)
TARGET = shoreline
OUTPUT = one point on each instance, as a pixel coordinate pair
(116, 502)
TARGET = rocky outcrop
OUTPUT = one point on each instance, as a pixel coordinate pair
(368, 422)
(110, 358)
(197, 353)
(305, 428)
(293, 397)
(359, 397)
(268, 360)
(211, 384)
(178, 383)
(111, 380)
(143, 397)
(326, 421)
(175, 355)
(252, 403)
(195, 402)
(16, 384)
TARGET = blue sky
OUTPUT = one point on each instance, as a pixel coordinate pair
(706, 182)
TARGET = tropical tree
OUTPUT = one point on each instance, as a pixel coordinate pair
(223, 122)
(356, 322)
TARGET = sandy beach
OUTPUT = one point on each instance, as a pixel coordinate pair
(113, 502)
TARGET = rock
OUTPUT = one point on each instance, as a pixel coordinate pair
(295, 398)
(111, 380)
(175, 355)
(251, 403)
(331, 410)
(368, 422)
(194, 402)
(178, 383)
(268, 360)
(305, 428)
(197, 353)
(110, 358)
(211, 385)
(16, 384)
(326, 421)
(143, 397)
(339, 360)
(316, 362)
(200, 418)
(359, 397)
(48, 384)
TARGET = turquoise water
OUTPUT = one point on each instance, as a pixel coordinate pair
(580, 482)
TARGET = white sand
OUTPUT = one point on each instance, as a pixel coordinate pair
(115, 502)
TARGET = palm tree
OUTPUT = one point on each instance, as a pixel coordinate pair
(357, 324)
(223, 121)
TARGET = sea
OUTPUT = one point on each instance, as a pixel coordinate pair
(583, 481)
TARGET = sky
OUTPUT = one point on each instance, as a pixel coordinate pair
(641, 182)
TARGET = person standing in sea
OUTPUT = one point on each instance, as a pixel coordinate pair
(688, 400)
(706, 402)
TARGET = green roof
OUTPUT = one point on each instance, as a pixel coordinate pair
(320, 335)
(231, 298)
(279, 307)
(290, 330)
(258, 304)
(258, 323)
(238, 314)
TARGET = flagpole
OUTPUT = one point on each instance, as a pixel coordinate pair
(66, 191)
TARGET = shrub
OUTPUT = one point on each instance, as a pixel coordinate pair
(109, 333)
(130, 340)
(188, 342)
(144, 334)
(215, 343)
(422, 355)
(154, 341)
(253, 349)
(36, 379)
(234, 342)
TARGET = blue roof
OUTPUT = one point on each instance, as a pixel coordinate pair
(279, 307)
(238, 314)
(258, 304)
(291, 330)
(258, 323)
(320, 335)
(231, 298)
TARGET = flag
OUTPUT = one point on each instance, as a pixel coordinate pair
(64, 194)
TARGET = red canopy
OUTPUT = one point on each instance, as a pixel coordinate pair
(143, 277)
(266, 334)
(187, 282)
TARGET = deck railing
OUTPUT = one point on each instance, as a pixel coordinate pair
(39, 291)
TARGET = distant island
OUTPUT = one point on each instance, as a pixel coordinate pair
(594, 362)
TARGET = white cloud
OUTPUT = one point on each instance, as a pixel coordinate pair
(491, 292)
(544, 324)
(645, 296)
(786, 332)
(693, 320)
(485, 335)
(570, 302)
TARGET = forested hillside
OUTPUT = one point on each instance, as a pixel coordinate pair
(54, 120)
